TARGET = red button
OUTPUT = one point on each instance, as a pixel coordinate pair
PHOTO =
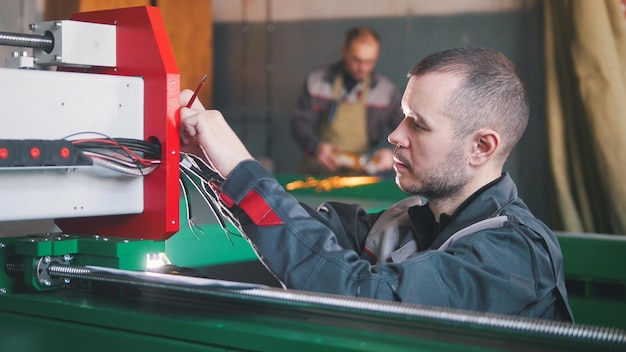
(4, 153)
(35, 153)
(65, 153)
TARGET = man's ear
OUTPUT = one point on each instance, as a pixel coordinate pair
(486, 144)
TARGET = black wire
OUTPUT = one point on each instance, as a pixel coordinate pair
(186, 195)
(147, 148)
(204, 171)
(202, 176)
(198, 173)
(151, 150)
(151, 147)
(214, 204)
(208, 198)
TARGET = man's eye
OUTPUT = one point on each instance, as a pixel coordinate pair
(417, 125)
(414, 122)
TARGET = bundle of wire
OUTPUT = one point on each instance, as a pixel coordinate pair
(207, 182)
(139, 158)
(133, 157)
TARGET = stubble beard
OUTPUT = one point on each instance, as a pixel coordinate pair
(443, 181)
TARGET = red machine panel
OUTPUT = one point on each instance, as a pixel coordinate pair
(143, 50)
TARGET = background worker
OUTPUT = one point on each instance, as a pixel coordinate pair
(463, 239)
(346, 110)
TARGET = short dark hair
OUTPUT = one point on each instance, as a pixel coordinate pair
(491, 94)
(355, 33)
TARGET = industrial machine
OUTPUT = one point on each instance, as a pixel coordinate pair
(92, 220)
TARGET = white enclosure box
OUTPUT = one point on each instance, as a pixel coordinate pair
(37, 104)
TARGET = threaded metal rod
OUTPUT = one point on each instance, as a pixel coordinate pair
(14, 268)
(301, 299)
(45, 42)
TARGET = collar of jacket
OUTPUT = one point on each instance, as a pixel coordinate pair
(487, 202)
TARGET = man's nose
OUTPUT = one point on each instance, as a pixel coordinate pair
(395, 137)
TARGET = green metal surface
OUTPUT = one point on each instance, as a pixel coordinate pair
(39, 322)
(89, 250)
(595, 277)
(207, 245)
(81, 250)
(7, 283)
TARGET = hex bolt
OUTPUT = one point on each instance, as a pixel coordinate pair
(67, 257)
(3, 291)
(47, 259)
(46, 282)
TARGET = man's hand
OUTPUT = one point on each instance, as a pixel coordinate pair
(187, 144)
(326, 155)
(209, 130)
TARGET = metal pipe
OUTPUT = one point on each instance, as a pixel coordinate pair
(269, 296)
(45, 42)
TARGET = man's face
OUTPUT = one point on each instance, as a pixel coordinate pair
(360, 57)
(428, 159)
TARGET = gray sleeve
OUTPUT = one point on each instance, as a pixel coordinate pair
(494, 270)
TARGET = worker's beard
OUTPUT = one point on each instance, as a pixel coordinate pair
(441, 182)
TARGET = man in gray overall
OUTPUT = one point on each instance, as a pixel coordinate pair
(463, 239)
(345, 111)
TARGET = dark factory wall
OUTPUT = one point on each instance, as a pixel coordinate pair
(259, 69)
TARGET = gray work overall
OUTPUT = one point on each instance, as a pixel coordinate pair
(345, 127)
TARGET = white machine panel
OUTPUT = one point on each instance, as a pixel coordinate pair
(37, 104)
